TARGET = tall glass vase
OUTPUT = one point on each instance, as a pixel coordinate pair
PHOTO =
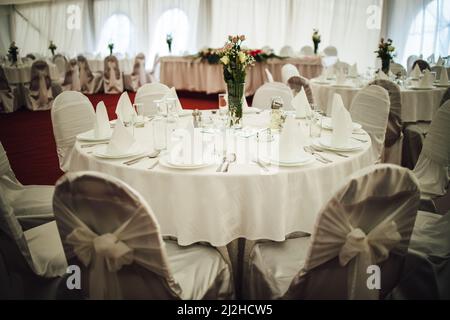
(385, 65)
(235, 95)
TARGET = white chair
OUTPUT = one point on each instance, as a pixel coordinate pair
(267, 49)
(427, 268)
(112, 76)
(307, 51)
(110, 231)
(288, 71)
(60, 62)
(397, 69)
(393, 142)
(8, 95)
(330, 51)
(291, 77)
(139, 77)
(341, 66)
(32, 204)
(370, 108)
(410, 61)
(287, 51)
(367, 222)
(438, 70)
(72, 77)
(148, 93)
(268, 75)
(71, 115)
(90, 82)
(432, 168)
(39, 96)
(264, 94)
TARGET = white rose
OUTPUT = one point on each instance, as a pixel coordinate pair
(225, 60)
(242, 57)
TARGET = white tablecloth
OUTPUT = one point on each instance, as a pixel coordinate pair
(417, 105)
(22, 73)
(186, 73)
(126, 65)
(203, 205)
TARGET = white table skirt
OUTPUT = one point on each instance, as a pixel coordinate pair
(203, 205)
(126, 65)
(185, 73)
(417, 105)
(22, 73)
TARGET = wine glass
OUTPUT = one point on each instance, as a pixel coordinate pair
(223, 104)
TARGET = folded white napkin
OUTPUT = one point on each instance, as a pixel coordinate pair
(444, 76)
(382, 76)
(440, 61)
(431, 58)
(289, 141)
(173, 94)
(124, 109)
(101, 127)
(191, 146)
(301, 104)
(342, 123)
(427, 80)
(121, 140)
(329, 72)
(353, 72)
(416, 73)
(340, 77)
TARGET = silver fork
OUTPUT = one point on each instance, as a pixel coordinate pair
(332, 152)
(136, 160)
(318, 156)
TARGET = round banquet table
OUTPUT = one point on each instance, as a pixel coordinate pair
(203, 205)
(22, 73)
(125, 65)
(417, 105)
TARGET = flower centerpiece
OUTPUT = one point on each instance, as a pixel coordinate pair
(111, 48)
(13, 53)
(169, 39)
(386, 53)
(316, 40)
(52, 47)
(212, 56)
(235, 61)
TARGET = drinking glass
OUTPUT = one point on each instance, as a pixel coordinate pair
(172, 114)
(223, 104)
(161, 107)
(159, 133)
(140, 120)
(315, 128)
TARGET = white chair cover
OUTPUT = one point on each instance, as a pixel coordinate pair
(433, 163)
(341, 66)
(268, 75)
(288, 71)
(72, 77)
(367, 222)
(287, 51)
(438, 70)
(307, 51)
(40, 94)
(109, 230)
(397, 69)
(60, 62)
(150, 92)
(264, 94)
(330, 51)
(370, 108)
(71, 114)
(90, 82)
(112, 76)
(139, 77)
(410, 61)
(393, 142)
(8, 95)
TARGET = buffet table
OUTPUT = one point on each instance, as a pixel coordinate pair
(187, 73)
(246, 202)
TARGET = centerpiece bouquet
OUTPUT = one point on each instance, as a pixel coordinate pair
(52, 47)
(111, 48)
(235, 61)
(169, 39)
(386, 53)
(316, 40)
(13, 53)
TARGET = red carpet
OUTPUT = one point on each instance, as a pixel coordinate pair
(28, 137)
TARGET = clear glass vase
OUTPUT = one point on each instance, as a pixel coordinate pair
(235, 95)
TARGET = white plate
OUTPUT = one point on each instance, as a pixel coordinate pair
(303, 159)
(325, 143)
(326, 124)
(89, 136)
(422, 88)
(136, 150)
(165, 161)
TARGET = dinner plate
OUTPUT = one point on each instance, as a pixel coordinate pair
(325, 143)
(135, 150)
(303, 159)
(422, 88)
(326, 124)
(89, 136)
(167, 162)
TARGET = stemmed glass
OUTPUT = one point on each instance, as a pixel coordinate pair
(172, 115)
(223, 104)
(140, 120)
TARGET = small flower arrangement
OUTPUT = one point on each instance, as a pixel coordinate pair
(316, 40)
(386, 52)
(13, 53)
(52, 47)
(212, 56)
(111, 48)
(169, 39)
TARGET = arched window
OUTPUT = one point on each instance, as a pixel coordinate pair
(174, 22)
(430, 31)
(116, 30)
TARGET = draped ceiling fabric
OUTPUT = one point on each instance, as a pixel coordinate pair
(353, 26)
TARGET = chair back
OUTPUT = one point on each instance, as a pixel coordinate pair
(112, 76)
(264, 95)
(287, 51)
(330, 51)
(307, 51)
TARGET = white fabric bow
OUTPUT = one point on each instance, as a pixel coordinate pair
(364, 250)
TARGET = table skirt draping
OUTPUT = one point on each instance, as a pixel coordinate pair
(125, 65)
(203, 205)
(417, 105)
(190, 74)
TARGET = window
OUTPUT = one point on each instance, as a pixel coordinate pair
(116, 30)
(175, 22)
(430, 31)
